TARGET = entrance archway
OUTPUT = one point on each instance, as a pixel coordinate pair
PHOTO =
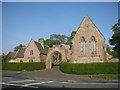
(53, 54)
(56, 58)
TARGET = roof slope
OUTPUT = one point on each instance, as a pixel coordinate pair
(84, 20)
(41, 49)
(20, 53)
(13, 55)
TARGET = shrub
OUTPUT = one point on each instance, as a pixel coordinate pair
(90, 68)
(23, 66)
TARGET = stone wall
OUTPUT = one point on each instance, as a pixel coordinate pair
(36, 53)
(51, 51)
(88, 30)
(87, 60)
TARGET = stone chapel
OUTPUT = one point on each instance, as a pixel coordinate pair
(88, 46)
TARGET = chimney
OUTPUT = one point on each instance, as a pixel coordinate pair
(41, 41)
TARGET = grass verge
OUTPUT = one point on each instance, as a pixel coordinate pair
(105, 76)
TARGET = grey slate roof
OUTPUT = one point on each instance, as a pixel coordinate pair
(20, 53)
(41, 49)
(46, 49)
(13, 55)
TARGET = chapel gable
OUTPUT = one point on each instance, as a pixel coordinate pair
(88, 42)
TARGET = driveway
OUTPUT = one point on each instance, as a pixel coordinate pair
(52, 78)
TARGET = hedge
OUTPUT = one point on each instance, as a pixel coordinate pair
(90, 68)
(23, 66)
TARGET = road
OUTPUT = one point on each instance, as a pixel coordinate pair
(52, 78)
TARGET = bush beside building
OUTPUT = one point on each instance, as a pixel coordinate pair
(90, 68)
(23, 66)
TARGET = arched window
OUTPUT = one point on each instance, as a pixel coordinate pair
(31, 52)
(93, 46)
(83, 47)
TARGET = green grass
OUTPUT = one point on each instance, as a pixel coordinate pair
(105, 76)
(56, 63)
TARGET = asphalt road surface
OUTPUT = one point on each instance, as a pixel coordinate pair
(52, 78)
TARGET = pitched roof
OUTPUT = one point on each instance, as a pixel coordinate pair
(20, 53)
(46, 49)
(41, 49)
(95, 26)
(92, 23)
(13, 54)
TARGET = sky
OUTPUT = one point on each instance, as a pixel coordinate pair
(23, 21)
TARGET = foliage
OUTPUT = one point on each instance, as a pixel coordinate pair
(8, 57)
(59, 38)
(113, 76)
(56, 39)
(49, 42)
(114, 54)
(69, 39)
(90, 68)
(115, 40)
(57, 63)
(23, 66)
(73, 34)
(111, 52)
(17, 48)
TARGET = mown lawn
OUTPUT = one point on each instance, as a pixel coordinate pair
(103, 76)
(57, 63)
(106, 76)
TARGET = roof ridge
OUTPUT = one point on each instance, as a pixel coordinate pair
(95, 26)
(92, 23)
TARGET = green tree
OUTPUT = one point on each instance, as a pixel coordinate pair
(56, 39)
(18, 47)
(59, 39)
(69, 39)
(49, 42)
(115, 40)
(73, 34)
(111, 51)
(114, 54)
(8, 57)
